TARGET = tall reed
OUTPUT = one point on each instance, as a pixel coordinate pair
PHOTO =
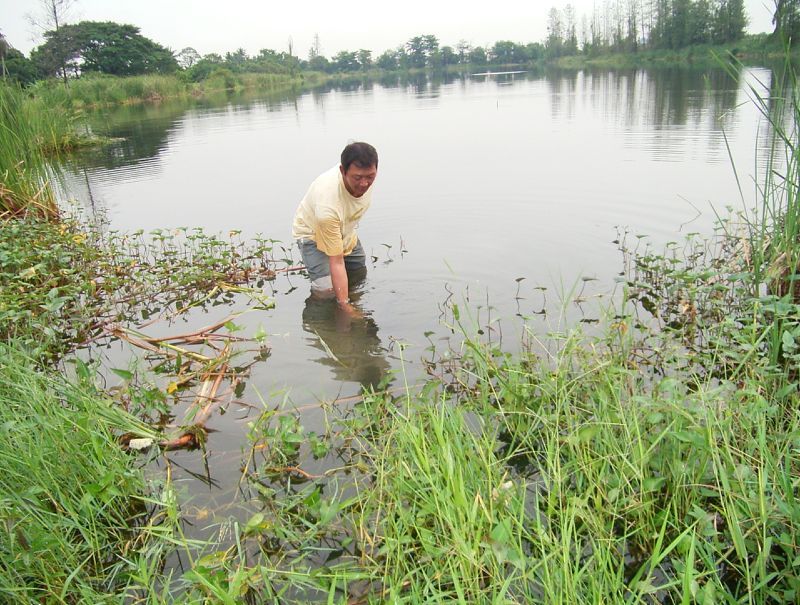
(70, 498)
(29, 132)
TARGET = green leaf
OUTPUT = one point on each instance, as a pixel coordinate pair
(124, 374)
(653, 483)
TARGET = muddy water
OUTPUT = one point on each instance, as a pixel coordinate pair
(504, 193)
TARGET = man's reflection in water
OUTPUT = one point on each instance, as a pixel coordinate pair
(350, 345)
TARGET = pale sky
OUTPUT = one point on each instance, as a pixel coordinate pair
(251, 24)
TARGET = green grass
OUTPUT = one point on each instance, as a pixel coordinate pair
(76, 519)
(30, 132)
(93, 91)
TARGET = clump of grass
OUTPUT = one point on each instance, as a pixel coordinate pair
(76, 518)
(97, 90)
(27, 132)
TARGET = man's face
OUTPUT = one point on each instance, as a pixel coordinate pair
(357, 180)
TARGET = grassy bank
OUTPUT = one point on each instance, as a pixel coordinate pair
(103, 91)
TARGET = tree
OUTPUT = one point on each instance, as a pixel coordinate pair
(505, 52)
(416, 51)
(237, 60)
(431, 45)
(477, 56)
(448, 56)
(103, 47)
(388, 60)
(786, 19)
(19, 68)
(570, 31)
(52, 16)
(4, 47)
(187, 57)
(364, 59)
(730, 21)
(345, 61)
(555, 33)
(463, 48)
(204, 67)
(700, 22)
(319, 63)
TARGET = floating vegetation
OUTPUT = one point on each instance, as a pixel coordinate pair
(67, 285)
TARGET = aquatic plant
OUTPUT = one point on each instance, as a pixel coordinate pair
(67, 283)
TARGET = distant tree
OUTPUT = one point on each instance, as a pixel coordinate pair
(534, 51)
(505, 52)
(570, 31)
(51, 16)
(416, 51)
(700, 22)
(431, 45)
(387, 60)
(187, 57)
(364, 59)
(345, 61)
(786, 20)
(319, 63)
(477, 56)
(730, 21)
(104, 47)
(204, 67)
(463, 48)
(4, 48)
(555, 33)
(19, 68)
(448, 56)
(237, 60)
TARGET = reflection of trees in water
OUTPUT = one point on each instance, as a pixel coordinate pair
(141, 131)
(350, 347)
(660, 97)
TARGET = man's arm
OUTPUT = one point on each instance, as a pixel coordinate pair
(340, 283)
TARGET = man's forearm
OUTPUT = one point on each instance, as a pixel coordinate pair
(339, 278)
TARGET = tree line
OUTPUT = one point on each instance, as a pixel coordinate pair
(72, 50)
(631, 25)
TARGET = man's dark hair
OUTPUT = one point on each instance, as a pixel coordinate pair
(362, 155)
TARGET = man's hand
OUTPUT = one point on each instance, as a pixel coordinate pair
(346, 308)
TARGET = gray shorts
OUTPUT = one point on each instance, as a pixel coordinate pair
(318, 265)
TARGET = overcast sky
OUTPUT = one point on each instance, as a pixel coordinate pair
(251, 24)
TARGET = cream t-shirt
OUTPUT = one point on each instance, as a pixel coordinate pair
(329, 214)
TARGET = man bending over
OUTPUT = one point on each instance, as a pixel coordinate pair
(325, 224)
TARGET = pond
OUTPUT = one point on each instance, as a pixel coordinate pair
(506, 192)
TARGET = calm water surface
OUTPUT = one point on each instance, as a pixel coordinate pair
(483, 180)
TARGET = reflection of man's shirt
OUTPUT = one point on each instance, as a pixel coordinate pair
(329, 215)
